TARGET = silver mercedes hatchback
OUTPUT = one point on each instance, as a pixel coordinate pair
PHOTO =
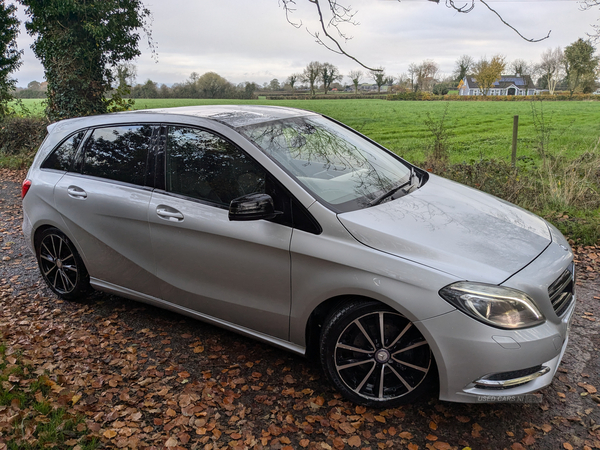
(291, 228)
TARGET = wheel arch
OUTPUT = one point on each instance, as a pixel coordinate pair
(319, 315)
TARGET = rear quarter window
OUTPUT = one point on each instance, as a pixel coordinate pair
(63, 156)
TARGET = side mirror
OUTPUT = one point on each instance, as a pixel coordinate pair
(252, 207)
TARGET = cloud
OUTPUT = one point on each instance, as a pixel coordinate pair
(252, 41)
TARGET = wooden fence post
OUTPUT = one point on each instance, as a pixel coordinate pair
(514, 140)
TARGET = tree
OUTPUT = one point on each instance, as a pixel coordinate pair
(380, 78)
(10, 56)
(355, 76)
(423, 75)
(147, 90)
(274, 85)
(521, 67)
(552, 67)
(292, 79)
(79, 43)
(441, 88)
(329, 74)
(213, 85)
(462, 67)
(581, 66)
(125, 74)
(486, 73)
(310, 75)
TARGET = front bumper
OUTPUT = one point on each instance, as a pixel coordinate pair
(467, 351)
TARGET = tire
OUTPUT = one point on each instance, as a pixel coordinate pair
(368, 369)
(61, 266)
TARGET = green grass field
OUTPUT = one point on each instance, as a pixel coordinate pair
(479, 129)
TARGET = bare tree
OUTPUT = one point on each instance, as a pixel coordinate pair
(462, 67)
(380, 78)
(293, 79)
(521, 67)
(486, 73)
(552, 67)
(423, 75)
(404, 82)
(355, 76)
(310, 75)
(333, 15)
(329, 74)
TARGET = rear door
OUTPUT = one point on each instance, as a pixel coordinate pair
(238, 272)
(104, 204)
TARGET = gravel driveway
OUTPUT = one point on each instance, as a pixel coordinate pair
(144, 377)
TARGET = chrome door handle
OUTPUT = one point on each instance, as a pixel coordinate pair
(164, 212)
(76, 192)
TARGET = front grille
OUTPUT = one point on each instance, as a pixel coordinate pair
(562, 291)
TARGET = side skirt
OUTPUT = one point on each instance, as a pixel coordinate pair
(144, 298)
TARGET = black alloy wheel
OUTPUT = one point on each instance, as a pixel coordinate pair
(61, 266)
(375, 356)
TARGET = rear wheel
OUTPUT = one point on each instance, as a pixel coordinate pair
(61, 266)
(375, 356)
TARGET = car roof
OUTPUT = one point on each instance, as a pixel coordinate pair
(231, 115)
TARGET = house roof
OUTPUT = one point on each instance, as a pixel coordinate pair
(520, 81)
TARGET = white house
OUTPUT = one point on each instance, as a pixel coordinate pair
(507, 85)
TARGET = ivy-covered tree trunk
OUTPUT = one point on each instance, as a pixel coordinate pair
(78, 43)
(10, 57)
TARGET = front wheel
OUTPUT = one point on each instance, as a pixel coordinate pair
(61, 266)
(375, 356)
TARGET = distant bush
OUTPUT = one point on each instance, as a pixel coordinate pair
(327, 97)
(29, 93)
(428, 96)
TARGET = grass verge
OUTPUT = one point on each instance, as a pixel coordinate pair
(33, 414)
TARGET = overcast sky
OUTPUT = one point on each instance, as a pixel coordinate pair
(250, 40)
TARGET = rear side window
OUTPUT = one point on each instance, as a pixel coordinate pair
(118, 153)
(62, 157)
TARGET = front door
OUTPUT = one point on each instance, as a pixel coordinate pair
(238, 272)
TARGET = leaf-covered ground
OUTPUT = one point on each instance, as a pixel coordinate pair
(113, 373)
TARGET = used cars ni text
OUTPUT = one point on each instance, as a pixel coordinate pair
(289, 227)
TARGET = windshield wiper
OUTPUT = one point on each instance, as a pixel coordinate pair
(382, 197)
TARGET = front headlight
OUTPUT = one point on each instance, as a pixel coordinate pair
(498, 306)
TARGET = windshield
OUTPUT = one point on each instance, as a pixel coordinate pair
(340, 167)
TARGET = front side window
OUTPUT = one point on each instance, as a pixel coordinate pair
(339, 166)
(202, 165)
(62, 158)
(118, 153)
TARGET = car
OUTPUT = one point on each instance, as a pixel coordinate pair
(291, 228)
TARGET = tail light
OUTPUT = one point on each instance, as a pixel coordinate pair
(25, 187)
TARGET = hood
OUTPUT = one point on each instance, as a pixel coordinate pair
(453, 228)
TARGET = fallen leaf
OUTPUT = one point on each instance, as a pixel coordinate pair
(354, 441)
(109, 434)
(171, 442)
